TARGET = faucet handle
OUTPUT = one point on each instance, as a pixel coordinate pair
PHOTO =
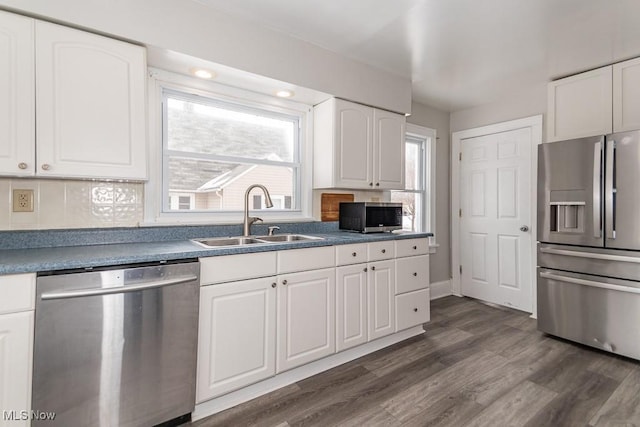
(272, 229)
(253, 219)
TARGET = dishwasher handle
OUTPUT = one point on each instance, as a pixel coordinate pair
(117, 290)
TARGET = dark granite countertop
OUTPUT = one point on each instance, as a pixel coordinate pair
(95, 248)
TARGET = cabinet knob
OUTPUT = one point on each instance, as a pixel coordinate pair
(284, 282)
(373, 268)
(415, 247)
(354, 254)
(273, 285)
(46, 166)
(22, 165)
(415, 274)
(377, 184)
(366, 269)
(384, 251)
(415, 310)
(371, 184)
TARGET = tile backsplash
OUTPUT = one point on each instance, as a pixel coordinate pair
(72, 204)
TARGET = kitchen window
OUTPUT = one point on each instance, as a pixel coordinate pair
(418, 197)
(214, 146)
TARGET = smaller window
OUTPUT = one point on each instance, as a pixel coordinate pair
(417, 197)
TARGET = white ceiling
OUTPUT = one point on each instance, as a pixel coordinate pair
(459, 53)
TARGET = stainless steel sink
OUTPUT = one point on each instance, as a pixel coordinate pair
(227, 241)
(242, 241)
(288, 238)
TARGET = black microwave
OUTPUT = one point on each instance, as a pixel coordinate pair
(370, 217)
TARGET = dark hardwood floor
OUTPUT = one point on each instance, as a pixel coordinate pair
(476, 365)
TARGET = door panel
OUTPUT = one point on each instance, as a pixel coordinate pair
(351, 306)
(17, 108)
(237, 335)
(495, 200)
(570, 186)
(306, 317)
(621, 193)
(381, 283)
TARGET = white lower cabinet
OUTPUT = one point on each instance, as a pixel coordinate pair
(265, 313)
(237, 335)
(17, 300)
(306, 317)
(16, 348)
(351, 306)
(412, 298)
(381, 277)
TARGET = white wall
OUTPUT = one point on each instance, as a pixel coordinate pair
(440, 262)
(191, 28)
(527, 102)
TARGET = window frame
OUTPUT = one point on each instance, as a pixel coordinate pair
(161, 81)
(428, 169)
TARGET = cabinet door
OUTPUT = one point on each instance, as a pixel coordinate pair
(626, 95)
(580, 105)
(381, 289)
(17, 108)
(237, 334)
(16, 359)
(354, 145)
(351, 306)
(306, 317)
(90, 105)
(388, 152)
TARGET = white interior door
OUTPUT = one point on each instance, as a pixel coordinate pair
(495, 218)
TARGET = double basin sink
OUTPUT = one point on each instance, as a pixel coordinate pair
(257, 240)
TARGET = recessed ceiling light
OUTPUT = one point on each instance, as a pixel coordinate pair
(285, 93)
(202, 73)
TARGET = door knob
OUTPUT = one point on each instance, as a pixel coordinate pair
(524, 228)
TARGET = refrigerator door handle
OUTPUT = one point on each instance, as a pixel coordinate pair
(590, 255)
(591, 283)
(609, 196)
(597, 190)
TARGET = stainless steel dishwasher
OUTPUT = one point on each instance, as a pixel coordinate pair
(117, 347)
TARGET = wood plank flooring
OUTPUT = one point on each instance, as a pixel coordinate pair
(476, 365)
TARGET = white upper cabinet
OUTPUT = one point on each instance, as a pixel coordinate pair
(626, 95)
(72, 104)
(90, 105)
(580, 105)
(389, 136)
(357, 147)
(17, 108)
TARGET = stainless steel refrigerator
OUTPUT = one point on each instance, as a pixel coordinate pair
(588, 271)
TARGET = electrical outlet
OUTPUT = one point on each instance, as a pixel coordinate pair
(23, 200)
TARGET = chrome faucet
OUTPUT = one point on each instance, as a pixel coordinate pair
(248, 220)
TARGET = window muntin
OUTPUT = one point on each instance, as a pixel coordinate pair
(214, 149)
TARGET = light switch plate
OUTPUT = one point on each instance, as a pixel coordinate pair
(22, 200)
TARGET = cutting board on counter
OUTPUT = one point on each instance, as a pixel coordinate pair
(330, 205)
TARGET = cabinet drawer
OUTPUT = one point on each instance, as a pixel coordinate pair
(412, 273)
(351, 254)
(17, 292)
(306, 259)
(229, 268)
(412, 247)
(412, 309)
(381, 250)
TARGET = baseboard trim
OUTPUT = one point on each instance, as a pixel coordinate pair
(245, 394)
(440, 289)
